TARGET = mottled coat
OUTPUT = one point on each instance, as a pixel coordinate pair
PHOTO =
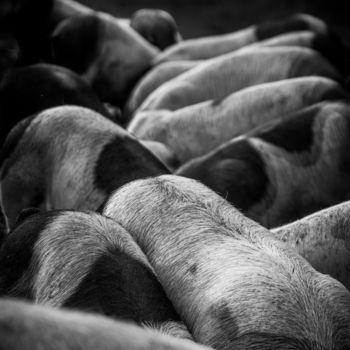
(195, 130)
(232, 282)
(84, 261)
(69, 158)
(284, 170)
(323, 239)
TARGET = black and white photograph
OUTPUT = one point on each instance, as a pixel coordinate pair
(174, 175)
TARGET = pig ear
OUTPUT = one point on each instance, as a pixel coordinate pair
(74, 43)
(25, 214)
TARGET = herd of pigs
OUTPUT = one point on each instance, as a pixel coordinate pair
(167, 193)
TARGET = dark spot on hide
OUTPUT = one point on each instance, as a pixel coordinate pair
(75, 42)
(123, 160)
(222, 313)
(122, 287)
(226, 328)
(331, 47)
(12, 141)
(17, 251)
(236, 171)
(293, 134)
(275, 27)
(193, 269)
(31, 89)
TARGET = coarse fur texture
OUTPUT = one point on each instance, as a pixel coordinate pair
(84, 261)
(195, 130)
(323, 239)
(218, 77)
(234, 285)
(69, 158)
(27, 326)
(300, 165)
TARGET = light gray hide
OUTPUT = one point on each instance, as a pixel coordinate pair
(56, 155)
(323, 239)
(56, 158)
(232, 282)
(197, 129)
(34, 327)
(213, 46)
(157, 76)
(162, 72)
(298, 182)
(221, 76)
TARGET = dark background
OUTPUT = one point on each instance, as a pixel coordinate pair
(205, 17)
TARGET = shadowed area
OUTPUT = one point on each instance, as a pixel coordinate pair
(198, 18)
